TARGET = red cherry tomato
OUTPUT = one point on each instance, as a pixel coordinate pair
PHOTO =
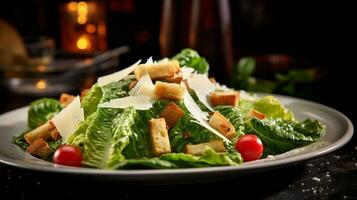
(68, 155)
(250, 147)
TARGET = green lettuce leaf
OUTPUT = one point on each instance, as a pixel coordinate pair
(209, 158)
(106, 136)
(271, 107)
(78, 137)
(91, 100)
(115, 90)
(20, 141)
(190, 58)
(140, 145)
(245, 106)
(144, 163)
(187, 131)
(180, 160)
(279, 136)
(41, 111)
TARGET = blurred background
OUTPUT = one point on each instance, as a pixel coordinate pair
(296, 47)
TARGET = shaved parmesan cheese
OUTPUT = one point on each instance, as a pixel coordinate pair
(143, 87)
(67, 121)
(117, 76)
(186, 72)
(149, 61)
(139, 102)
(199, 115)
(202, 86)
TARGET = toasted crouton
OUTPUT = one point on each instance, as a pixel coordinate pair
(224, 98)
(199, 149)
(174, 79)
(66, 99)
(159, 137)
(170, 91)
(132, 84)
(221, 124)
(46, 131)
(53, 131)
(257, 114)
(39, 148)
(158, 70)
(172, 114)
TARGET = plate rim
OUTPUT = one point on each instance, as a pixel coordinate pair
(198, 171)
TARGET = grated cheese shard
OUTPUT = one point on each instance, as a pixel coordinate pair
(67, 121)
(199, 115)
(117, 76)
(143, 87)
(202, 86)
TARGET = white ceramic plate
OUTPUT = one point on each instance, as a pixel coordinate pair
(339, 131)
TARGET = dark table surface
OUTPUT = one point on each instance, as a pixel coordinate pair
(333, 176)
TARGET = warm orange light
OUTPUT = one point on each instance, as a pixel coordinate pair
(82, 11)
(102, 30)
(90, 28)
(41, 68)
(41, 84)
(83, 43)
(72, 6)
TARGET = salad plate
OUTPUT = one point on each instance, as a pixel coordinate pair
(339, 131)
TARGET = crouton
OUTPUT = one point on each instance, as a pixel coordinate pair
(172, 114)
(46, 131)
(39, 148)
(132, 84)
(170, 91)
(53, 131)
(221, 124)
(174, 79)
(224, 98)
(158, 70)
(66, 99)
(199, 149)
(257, 114)
(159, 137)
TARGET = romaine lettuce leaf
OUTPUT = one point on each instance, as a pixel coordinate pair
(144, 163)
(91, 100)
(20, 141)
(115, 90)
(41, 111)
(106, 137)
(190, 58)
(78, 137)
(272, 107)
(187, 131)
(209, 158)
(140, 146)
(279, 135)
(245, 106)
(268, 105)
(181, 160)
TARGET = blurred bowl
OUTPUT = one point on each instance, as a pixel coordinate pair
(60, 75)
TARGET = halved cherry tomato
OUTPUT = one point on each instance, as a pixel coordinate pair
(250, 147)
(68, 155)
